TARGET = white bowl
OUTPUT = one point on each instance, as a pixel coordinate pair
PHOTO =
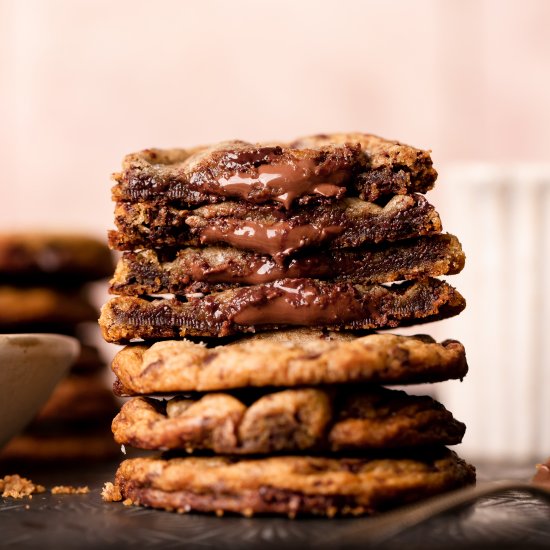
(30, 367)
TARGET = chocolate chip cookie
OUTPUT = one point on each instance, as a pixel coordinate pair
(53, 259)
(287, 358)
(216, 268)
(315, 167)
(288, 302)
(347, 223)
(289, 485)
(319, 419)
(42, 307)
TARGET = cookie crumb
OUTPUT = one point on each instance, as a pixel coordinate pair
(111, 493)
(69, 490)
(15, 486)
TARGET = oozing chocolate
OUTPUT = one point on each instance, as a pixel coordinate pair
(284, 182)
(297, 302)
(253, 173)
(278, 239)
(217, 268)
(345, 224)
(361, 164)
(285, 302)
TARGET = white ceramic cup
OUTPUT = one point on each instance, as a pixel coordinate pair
(30, 367)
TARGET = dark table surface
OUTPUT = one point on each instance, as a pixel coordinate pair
(509, 519)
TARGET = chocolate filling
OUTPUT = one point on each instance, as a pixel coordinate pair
(286, 302)
(278, 239)
(297, 302)
(243, 171)
(345, 224)
(284, 182)
(218, 268)
(361, 164)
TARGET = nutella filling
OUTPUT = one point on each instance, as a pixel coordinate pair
(277, 240)
(286, 182)
(298, 303)
(264, 271)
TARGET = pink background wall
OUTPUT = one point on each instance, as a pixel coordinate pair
(85, 82)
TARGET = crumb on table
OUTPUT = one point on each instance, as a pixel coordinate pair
(69, 490)
(111, 493)
(15, 486)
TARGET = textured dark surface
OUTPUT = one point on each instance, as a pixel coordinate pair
(507, 520)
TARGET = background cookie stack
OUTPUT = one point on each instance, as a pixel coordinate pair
(44, 288)
(258, 239)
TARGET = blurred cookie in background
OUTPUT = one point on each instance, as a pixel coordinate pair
(45, 287)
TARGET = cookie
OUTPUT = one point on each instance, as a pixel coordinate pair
(214, 268)
(290, 485)
(287, 358)
(347, 223)
(331, 419)
(254, 173)
(287, 302)
(83, 445)
(42, 306)
(78, 398)
(88, 362)
(316, 167)
(52, 259)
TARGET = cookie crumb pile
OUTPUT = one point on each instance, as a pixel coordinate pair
(15, 486)
(251, 280)
(69, 490)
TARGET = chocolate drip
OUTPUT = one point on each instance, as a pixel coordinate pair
(284, 182)
(303, 302)
(278, 240)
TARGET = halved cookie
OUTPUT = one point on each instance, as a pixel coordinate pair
(312, 167)
(283, 303)
(254, 173)
(349, 222)
(216, 268)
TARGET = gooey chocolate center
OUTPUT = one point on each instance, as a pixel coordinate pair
(285, 182)
(298, 302)
(278, 240)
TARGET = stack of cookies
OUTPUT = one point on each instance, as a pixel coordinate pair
(254, 276)
(44, 289)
